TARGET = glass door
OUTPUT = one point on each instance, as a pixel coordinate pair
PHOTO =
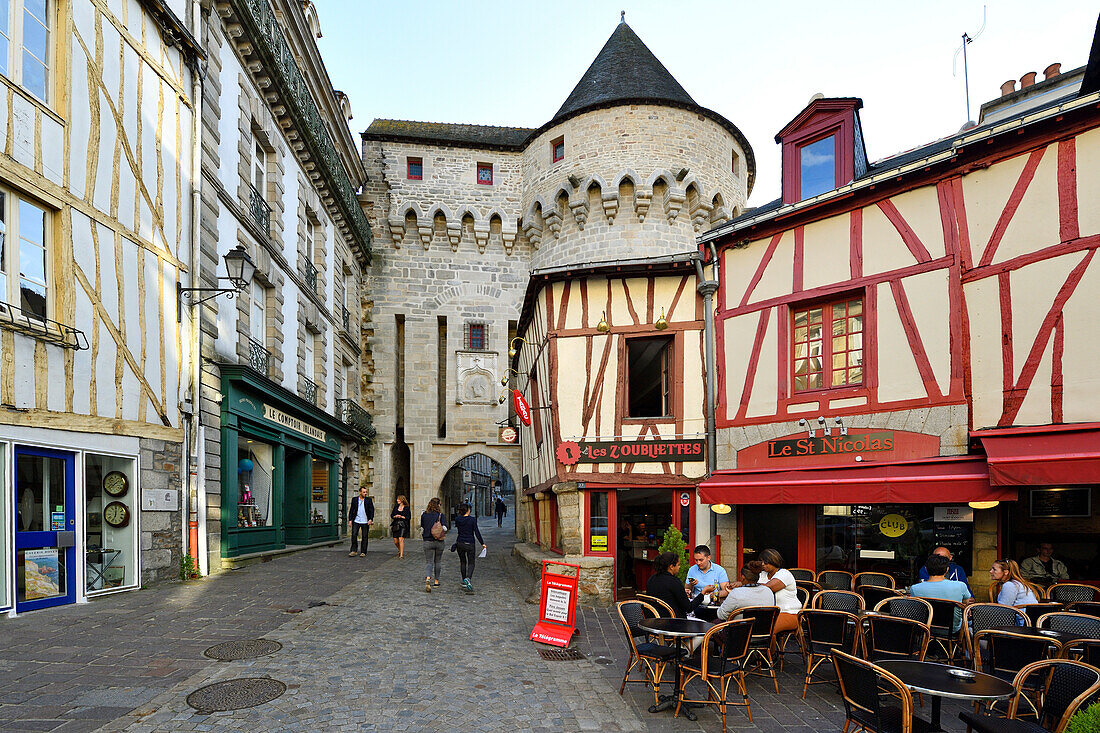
(45, 528)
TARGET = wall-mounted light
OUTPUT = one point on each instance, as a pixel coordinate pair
(603, 326)
(500, 400)
(806, 426)
(840, 424)
(823, 425)
(513, 349)
(239, 269)
(721, 508)
(661, 324)
(504, 379)
(983, 504)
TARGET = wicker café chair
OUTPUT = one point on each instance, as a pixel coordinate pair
(1064, 686)
(1035, 610)
(721, 660)
(862, 685)
(1073, 593)
(762, 645)
(834, 579)
(838, 600)
(875, 594)
(802, 574)
(944, 634)
(1005, 653)
(1080, 624)
(884, 580)
(1082, 650)
(1090, 607)
(649, 657)
(663, 608)
(822, 633)
(980, 616)
(783, 638)
(915, 609)
(887, 637)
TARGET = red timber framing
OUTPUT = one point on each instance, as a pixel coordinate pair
(964, 262)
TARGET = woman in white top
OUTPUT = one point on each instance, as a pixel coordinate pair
(781, 582)
(749, 592)
(1009, 587)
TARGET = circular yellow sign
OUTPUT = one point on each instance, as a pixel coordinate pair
(893, 525)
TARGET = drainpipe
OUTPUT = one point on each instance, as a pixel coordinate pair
(707, 288)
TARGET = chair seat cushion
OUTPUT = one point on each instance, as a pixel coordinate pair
(993, 724)
(657, 651)
(892, 723)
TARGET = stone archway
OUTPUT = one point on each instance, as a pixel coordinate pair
(452, 459)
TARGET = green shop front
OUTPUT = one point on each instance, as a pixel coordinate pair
(280, 459)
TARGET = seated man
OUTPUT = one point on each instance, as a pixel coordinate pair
(938, 586)
(1043, 569)
(705, 576)
(954, 572)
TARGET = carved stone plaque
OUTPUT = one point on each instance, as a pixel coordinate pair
(477, 377)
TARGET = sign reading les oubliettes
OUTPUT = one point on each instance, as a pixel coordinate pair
(831, 445)
(631, 451)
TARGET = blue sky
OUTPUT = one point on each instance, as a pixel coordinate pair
(514, 63)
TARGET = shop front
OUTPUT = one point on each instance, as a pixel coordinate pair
(280, 466)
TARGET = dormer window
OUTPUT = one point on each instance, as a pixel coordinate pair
(817, 167)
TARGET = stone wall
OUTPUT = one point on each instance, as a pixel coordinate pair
(159, 464)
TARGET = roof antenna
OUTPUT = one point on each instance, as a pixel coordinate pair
(966, 40)
(622, 16)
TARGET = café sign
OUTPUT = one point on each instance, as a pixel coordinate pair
(831, 445)
(292, 423)
(631, 451)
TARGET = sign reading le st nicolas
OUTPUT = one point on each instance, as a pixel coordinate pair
(831, 445)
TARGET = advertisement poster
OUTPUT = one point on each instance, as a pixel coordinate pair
(41, 573)
(557, 605)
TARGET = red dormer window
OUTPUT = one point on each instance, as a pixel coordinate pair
(557, 149)
(819, 149)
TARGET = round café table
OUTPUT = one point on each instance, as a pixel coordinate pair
(934, 680)
(1059, 636)
(678, 629)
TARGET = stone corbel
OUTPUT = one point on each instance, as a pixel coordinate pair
(426, 231)
(509, 237)
(580, 211)
(701, 216)
(454, 234)
(719, 214)
(481, 236)
(533, 232)
(674, 201)
(610, 205)
(397, 231)
(642, 200)
(553, 221)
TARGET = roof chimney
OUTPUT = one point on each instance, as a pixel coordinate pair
(1008, 87)
(1052, 71)
(1027, 79)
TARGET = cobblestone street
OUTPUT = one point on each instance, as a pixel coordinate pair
(379, 655)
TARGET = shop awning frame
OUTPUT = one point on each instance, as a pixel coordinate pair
(928, 481)
(1047, 455)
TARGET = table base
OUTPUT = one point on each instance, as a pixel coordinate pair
(667, 702)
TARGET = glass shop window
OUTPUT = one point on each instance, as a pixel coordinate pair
(255, 484)
(597, 521)
(319, 506)
(649, 379)
(110, 522)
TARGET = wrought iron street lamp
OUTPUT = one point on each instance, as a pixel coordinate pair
(239, 269)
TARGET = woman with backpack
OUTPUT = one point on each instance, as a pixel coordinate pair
(432, 532)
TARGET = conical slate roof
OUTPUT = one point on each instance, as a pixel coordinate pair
(625, 70)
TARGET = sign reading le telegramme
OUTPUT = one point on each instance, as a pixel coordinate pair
(831, 445)
(292, 423)
(642, 451)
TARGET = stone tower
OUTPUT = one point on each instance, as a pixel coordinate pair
(630, 166)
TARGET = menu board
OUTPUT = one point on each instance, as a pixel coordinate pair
(1065, 502)
(957, 537)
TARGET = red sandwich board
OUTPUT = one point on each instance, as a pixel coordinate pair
(558, 605)
(521, 406)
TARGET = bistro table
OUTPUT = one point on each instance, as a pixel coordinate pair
(677, 628)
(1062, 637)
(937, 681)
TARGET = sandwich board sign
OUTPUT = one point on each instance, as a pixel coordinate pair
(557, 605)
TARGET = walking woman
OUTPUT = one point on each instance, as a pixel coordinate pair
(467, 531)
(402, 517)
(1009, 587)
(433, 546)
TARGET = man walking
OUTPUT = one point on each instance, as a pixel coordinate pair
(360, 518)
(501, 510)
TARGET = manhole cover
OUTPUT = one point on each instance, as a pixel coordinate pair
(235, 694)
(247, 649)
(603, 660)
(560, 655)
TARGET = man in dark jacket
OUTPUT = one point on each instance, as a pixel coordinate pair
(360, 518)
(501, 509)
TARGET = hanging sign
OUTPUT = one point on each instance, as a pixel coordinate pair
(508, 434)
(522, 409)
(685, 498)
(558, 605)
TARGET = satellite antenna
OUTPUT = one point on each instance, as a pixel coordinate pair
(966, 40)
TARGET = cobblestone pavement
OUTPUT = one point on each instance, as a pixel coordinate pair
(381, 655)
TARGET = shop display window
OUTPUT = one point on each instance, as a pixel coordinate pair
(319, 512)
(597, 521)
(110, 527)
(255, 471)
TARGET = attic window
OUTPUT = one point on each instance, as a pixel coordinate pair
(485, 174)
(415, 169)
(735, 163)
(817, 167)
(557, 149)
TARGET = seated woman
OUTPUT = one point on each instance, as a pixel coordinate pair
(781, 582)
(749, 592)
(664, 584)
(1009, 587)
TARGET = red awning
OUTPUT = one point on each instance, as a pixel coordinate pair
(930, 481)
(1044, 456)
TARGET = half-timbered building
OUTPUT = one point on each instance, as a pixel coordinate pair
(905, 348)
(97, 118)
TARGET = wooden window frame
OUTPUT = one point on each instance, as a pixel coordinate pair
(827, 315)
(409, 162)
(612, 522)
(11, 269)
(834, 133)
(259, 291)
(477, 175)
(17, 49)
(554, 144)
(674, 379)
(830, 120)
(468, 337)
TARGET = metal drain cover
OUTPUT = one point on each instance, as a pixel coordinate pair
(603, 660)
(247, 649)
(560, 655)
(235, 694)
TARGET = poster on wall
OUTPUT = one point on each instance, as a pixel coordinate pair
(320, 493)
(41, 573)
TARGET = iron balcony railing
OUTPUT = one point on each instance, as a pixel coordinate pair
(258, 356)
(358, 419)
(261, 211)
(27, 322)
(309, 390)
(346, 314)
(311, 276)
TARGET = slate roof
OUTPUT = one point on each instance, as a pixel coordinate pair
(624, 70)
(482, 136)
